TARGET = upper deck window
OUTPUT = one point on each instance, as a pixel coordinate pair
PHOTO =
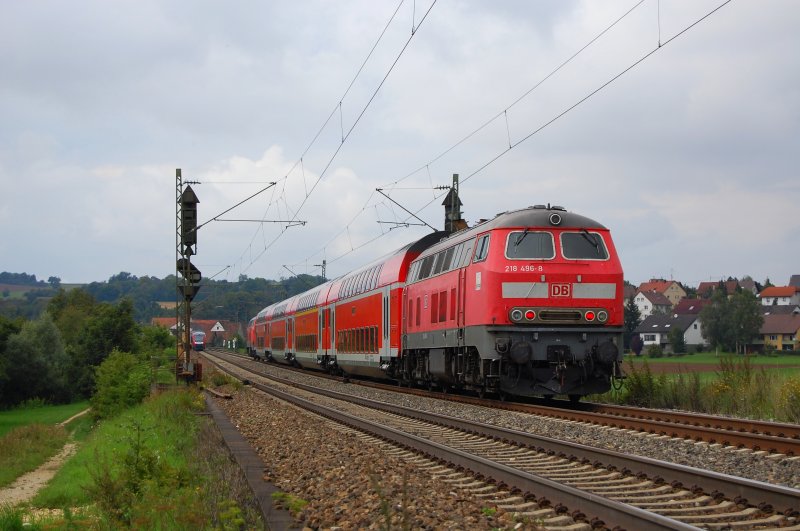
(530, 245)
(583, 245)
(482, 248)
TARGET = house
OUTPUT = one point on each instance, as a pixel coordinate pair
(216, 330)
(794, 280)
(669, 288)
(655, 330)
(690, 306)
(781, 331)
(780, 295)
(628, 291)
(652, 302)
(705, 289)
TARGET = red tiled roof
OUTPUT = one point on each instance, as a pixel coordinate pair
(655, 285)
(779, 291)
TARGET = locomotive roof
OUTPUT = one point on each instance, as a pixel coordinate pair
(533, 217)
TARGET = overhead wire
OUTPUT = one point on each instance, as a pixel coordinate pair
(349, 132)
(485, 124)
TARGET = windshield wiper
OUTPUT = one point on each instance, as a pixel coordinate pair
(520, 238)
(593, 241)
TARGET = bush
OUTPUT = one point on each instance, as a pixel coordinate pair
(790, 399)
(123, 380)
(655, 351)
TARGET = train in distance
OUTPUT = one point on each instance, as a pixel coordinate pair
(198, 340)
(527, 304)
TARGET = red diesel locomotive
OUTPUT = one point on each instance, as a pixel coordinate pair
(528, 303)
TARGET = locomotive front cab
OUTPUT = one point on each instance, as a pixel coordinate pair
(548, 305)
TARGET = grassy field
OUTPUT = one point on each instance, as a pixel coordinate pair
(156, 466)
(31, 436)
(38, 415)
(712, 358)
(760, 387)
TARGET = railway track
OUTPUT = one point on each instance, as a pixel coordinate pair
(760, 436)
(631, 492)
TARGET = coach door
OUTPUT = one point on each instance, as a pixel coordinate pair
(461, 297)
(385, 350)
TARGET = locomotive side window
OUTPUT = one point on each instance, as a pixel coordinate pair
(482, 248)
(583, 245)
(467, 256)
(530, 245)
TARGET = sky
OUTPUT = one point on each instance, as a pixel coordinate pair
(681, 138)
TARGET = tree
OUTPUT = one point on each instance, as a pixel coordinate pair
(730, 324)
(55, 282)
(36, 364)
(715, 321)
(677, 341)
(746, 319)
(633, 318)
(637, 344)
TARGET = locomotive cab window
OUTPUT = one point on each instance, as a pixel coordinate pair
(530, 245)
(583, 245)
(482, 248)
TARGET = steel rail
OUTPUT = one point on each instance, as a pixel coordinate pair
(621, 514)
(784, 499)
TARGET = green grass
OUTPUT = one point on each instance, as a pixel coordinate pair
(26, 447)
(39, 415)
(737, 385)
(155, 466)
(149, 427)
(713, 359)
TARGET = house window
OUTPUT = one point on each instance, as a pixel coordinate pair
(695, 326)
(773, 338)
(650, 337)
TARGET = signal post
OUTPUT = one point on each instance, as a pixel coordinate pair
(187, 277)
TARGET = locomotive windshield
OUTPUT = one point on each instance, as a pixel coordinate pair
(530, 245)
(583, 245)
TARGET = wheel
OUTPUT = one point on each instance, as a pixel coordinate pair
(574, 398)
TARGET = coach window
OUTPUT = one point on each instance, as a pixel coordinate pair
(583, 245)
(425, 268)
(412, 274)
(448, 259)
(482, 248)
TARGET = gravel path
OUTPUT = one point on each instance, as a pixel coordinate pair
(28, 485)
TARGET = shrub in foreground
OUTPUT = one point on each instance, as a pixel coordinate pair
(123, 380)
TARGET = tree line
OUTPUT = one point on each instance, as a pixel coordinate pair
(217, 299)
(54, 357)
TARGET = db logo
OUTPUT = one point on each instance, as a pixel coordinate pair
(560, 290)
